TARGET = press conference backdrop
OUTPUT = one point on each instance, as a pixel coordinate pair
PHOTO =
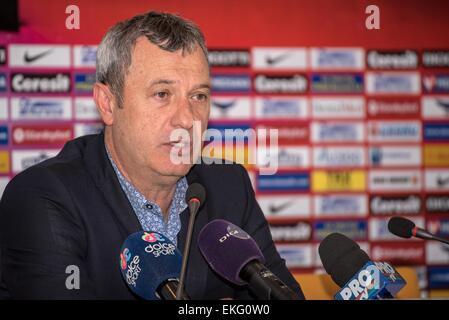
(363, 115)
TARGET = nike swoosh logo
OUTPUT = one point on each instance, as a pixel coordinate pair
(32, 58)
(442, 182)
(275, 209)
(274, 60)
(444, 105)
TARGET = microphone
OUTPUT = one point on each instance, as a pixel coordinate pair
(234, 255)
(405, 228)
(352, 270)
(150, 264)
(195, 197)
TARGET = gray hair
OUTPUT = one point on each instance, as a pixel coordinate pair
(168, 31)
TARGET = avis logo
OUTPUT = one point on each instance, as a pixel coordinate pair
(125, 256)
(152, 237)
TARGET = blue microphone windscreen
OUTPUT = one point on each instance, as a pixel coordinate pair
(148, 259)
(227, 249)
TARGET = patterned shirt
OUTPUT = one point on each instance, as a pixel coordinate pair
(149, 213)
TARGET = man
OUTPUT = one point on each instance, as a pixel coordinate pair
(76, 210)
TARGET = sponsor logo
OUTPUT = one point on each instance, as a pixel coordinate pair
(411, 253)
(230, 108)
(133, 272)
(291, 232)
(337, 58)
(2, 56)
(4, 161)
(391, 205)
(48, 134)
(337, 132)
(3, 82)
(337, 83)
(435, 59)
(378, 229)
(3, 109)
(338, 156)
(436, 131)
(281, 107)
(125, 256)
(354, 229)
(437, 253)
(84, 56)
(392, 83)
(284, 182)
(3, 183)
(288, 133)
(395, 156)
(340, 205)
(437, 180)
(280, 84)
(393, 108)
(400, 180)
(438, 276)
(85, 109)
(436, 83)
(281, 206)
(335, 107)
(23, 159)
(287, 157)
(4, 135)
(296, 255)
(279, 58)
(437, 204)
(436, 155)
(152, 237)
(36, 108)
(161, 249)
(45, 83)
(228, 132)
(84, 82)
(406, 59)
(400, 131)
(83, 129)
(231, 83)
(336, 181)
(229, 58)
(435, 107)
(39, 56)
(439, 227)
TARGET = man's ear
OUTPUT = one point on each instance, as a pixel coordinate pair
(105, 102)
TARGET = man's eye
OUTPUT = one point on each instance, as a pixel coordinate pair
(201, 97)
(161, 95)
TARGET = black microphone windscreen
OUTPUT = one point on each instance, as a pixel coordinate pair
(341, 257)
(196, 190)
(401, 227)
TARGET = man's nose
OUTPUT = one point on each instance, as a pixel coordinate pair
(183, 116)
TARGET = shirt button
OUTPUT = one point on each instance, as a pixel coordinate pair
(149, 206)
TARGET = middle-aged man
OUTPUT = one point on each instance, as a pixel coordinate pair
(77, 208)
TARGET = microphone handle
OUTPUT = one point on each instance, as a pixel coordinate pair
(167, 291)
(264, 284)
(424, 234)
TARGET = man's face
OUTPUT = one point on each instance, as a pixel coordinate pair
(163, 91)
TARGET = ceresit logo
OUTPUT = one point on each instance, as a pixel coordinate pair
(388, 205)
(296, 83)
(406, 59)
(152, 237)
(40, 82)
(337, 58)
(291, 232)
(393, 83)
(125, 256)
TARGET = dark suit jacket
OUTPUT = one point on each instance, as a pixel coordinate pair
(71, 210)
